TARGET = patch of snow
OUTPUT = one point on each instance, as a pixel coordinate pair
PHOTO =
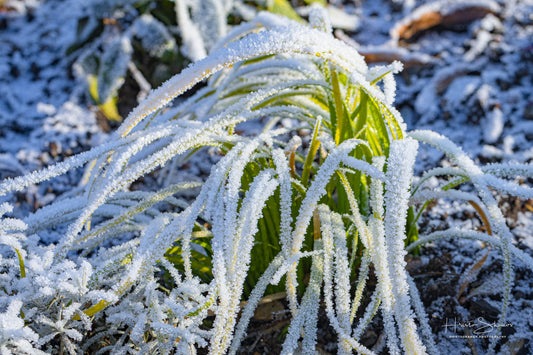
(460, 89)
(493, 128)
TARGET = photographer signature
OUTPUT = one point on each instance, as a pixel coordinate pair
(478, 326)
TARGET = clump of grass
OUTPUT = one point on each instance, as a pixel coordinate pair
(269, 212)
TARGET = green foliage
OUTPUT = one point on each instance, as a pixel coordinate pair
(109, 107)
(283, 8)
(119, 45)
(201, 258)
(352, 113)
(151, 51)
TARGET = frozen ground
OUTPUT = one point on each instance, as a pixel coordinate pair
(470, 80)
(42, 119)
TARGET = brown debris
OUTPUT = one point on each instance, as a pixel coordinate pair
(381, 56)
(386, 53)
(441, 14)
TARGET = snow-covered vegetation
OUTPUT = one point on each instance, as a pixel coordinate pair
(313, 190)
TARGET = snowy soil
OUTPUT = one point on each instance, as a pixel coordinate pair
(471, 81)
(42, 119)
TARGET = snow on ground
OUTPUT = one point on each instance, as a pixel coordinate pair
(42, 119)
(470, 81)
(480, 76)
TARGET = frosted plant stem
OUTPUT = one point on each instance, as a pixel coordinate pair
(253, 300)
(189, 32)
(422, 317)
(342, 274)
(380, 262)
(21, 182)
(134, 210)
(261, 189)
(314, 193)
(284, 177)
(400, 165)
(317, 188)
(370, 312)
(372, 236)
(311, 320)
(473, 235)
(291, 285)
(361, 284)
(306, 316)
(111, 186)
(346, 342)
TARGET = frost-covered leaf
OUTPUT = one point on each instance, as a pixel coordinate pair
(113, 67)
(211, 18)
(154, 36)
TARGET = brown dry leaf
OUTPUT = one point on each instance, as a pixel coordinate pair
(471, 273)
(269, 311)
(409, 60)
(444, 14)
(482, 215)
(102, 121)
(291, 152)
(316, 225)
(491, 286)
(270, 307)
(386, 53)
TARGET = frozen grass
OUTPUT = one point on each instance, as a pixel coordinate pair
(359, 188)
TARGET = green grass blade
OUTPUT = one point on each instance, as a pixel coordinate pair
(21, 264)
(313, 148)
(339, 107)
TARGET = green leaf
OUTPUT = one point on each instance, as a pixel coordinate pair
(411, 229)
(283, 8)
(108, 108)
(361, 112)
(339, 107)
(380, 129)
(313, 148)
(21, 264)
(201, 264)
(320, 2)
(93, 87)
